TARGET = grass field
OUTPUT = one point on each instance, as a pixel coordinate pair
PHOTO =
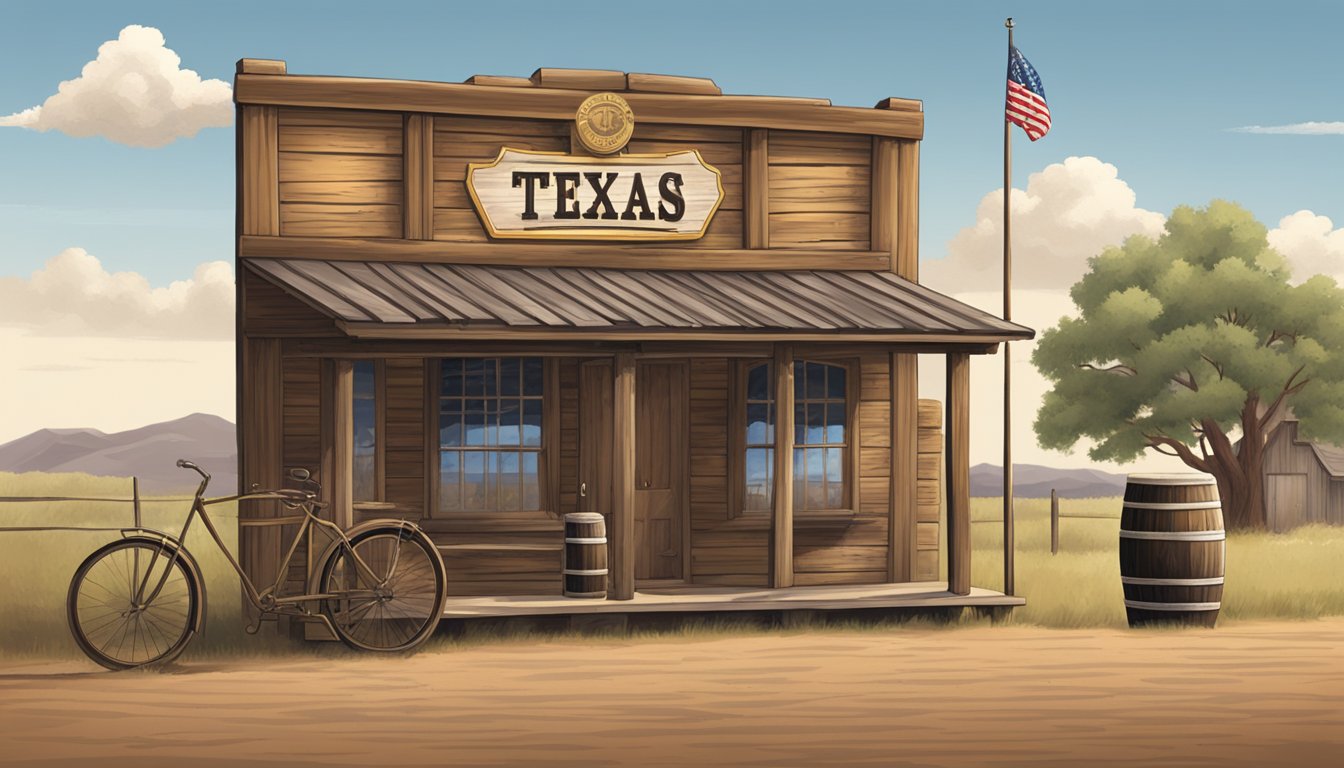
(1269, 576)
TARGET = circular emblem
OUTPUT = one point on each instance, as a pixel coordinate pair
(604, 123)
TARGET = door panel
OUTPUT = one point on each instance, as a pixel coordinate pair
(661, 447)
(1287, 500)
(595, 432)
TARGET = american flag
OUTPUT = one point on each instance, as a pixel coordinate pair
(1026, 97)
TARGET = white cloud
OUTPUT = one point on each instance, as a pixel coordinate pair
(74, 296)
(1310, 128)
(1311, 245)
(135, 93)
(1069, 212)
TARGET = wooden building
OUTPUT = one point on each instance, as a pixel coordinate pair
(1304, 480)
(482, 305)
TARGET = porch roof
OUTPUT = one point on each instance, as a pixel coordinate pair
(404, 300)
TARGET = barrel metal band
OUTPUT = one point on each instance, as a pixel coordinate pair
(1146, 582)
(586, 540)
(1174, 505)
(1147, 606)
(585, 571)
(586, 594)
(1174, 535)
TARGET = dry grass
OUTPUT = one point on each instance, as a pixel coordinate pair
(1269, 576)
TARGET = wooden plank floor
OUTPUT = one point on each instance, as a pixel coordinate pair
(923, 594)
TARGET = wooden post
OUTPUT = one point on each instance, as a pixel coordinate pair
(958, 473)
(1054, 521)
(756, 159)
(781, 522)
(418, 175)
(135, 498)
(902, 498)
(906, 257)
(622, 586)
(342, 443)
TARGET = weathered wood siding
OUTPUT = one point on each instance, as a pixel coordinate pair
(273, 312)
(406, 421)
(820, 190)
(928, 493)
(1287, 454)
(340, 173)
(721, 148)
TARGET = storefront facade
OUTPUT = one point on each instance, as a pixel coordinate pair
(482, 305)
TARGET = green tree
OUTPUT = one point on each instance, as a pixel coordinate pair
(1196, 345)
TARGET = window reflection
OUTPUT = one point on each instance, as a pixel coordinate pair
(364, 407)
(821, 431)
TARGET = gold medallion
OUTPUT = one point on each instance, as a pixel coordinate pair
(605, 123)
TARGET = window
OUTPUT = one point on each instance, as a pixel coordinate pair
(490, 435)
(365, 416)
(821, 455)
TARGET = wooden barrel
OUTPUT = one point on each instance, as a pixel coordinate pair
(585, 563)
(1172, 547)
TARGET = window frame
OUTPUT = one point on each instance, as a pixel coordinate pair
(737, 438)
(548, 454)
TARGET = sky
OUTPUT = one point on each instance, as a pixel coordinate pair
(1155, 104)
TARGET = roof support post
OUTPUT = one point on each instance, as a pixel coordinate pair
(339, 453)
(958, 473)
(902, 499)
(781, 521)
(622, 546)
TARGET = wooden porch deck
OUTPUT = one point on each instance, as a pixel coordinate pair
(700, 599)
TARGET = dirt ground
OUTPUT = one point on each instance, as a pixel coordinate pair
(1261, 694)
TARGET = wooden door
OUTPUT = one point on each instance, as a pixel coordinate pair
(595, 424)
(662, 430)
(1286, 499)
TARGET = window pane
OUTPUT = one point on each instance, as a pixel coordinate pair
(531, 482)
(816, 381)
(450, 377)
(363, 370)
(510, 493)
(474, 376)
(473, 480)
(758, 382)
(760, 478)
(450, 482)
(474, 422)
(799, 478)
(835, 423)
(835, 484)
(450, 422)
(800, 422)
(835, 382)
(759, 429)
(532, 378)
(510, 422)
(532, 423)
(816, 479)
(816, 427)
(510, 377)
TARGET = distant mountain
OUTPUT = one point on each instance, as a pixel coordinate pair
(1032, 481)
(149, 453)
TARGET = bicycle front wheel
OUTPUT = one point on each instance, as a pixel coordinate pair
(119, 614)
(388, 589)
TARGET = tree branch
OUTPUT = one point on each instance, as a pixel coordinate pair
(1118, 368)
(1182, 451)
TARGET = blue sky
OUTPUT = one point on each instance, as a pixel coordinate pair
(1149, 87)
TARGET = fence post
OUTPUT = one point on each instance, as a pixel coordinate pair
(1054, 521)
(135, 498)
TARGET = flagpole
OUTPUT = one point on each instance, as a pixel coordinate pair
(1008, 539)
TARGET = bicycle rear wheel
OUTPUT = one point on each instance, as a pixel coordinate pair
(392, 604)
(114, 615)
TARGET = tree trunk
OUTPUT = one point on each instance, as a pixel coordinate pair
(1240, 475)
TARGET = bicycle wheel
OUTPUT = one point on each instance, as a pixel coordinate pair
(400, 592)
(114, 615)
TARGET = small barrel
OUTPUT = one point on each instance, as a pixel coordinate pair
(1172, 547)
(585, 563)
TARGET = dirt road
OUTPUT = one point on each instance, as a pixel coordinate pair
(1241, 695)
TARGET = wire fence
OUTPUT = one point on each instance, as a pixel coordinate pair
(135, 501)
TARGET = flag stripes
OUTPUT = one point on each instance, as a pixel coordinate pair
(1025, 106)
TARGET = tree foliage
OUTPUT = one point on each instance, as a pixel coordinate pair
(1185, 343)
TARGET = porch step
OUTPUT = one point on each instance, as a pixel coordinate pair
(501, 547)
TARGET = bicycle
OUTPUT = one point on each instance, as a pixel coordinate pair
(140, 600)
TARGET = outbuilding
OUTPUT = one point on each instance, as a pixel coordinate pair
(483, 305)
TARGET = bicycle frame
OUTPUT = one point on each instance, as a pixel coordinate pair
(267, 601)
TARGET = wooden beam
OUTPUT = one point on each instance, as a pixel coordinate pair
(905, 105)
(418, 199)
(906, 258)
(576, 254)
(622, 584)
(958, 473)
(781, 521)
(970, 343)
(259, 171)
(506, 81)
(756, 174)
(342, 447)
(561, 103)
(583, 79)
(884, 196)
(261, 452)
(703, 86)
(260, 67)
(904, 466)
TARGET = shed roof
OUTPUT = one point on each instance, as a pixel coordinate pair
(379, 299)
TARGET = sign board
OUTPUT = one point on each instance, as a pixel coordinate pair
(552, 195)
